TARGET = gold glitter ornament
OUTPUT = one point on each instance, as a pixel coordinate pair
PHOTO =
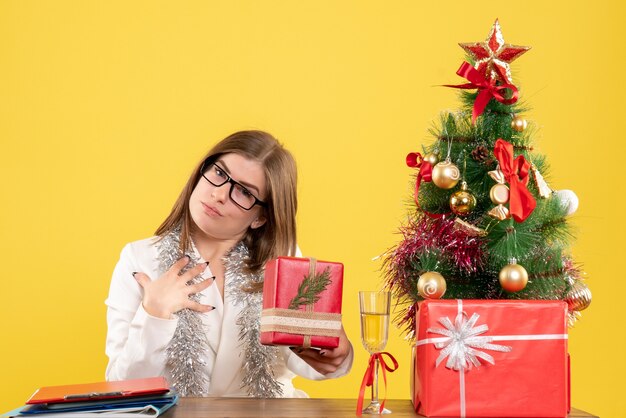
(513, 277)
(432, 158)
(446, 175)
(519, 124)
(431, 285)
(578, 296)
(462, 202)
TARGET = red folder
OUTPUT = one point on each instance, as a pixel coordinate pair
(101, 390)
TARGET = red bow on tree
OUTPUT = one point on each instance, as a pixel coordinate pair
(521, 201)
(415, 160)
(368, 379)
(486, 89)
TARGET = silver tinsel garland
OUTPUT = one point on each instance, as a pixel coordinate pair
(185, 352)
(258, 365)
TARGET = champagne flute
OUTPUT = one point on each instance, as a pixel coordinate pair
(374, 307)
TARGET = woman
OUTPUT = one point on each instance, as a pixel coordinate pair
(186, 304)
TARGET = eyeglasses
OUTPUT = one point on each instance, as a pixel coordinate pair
(241, 196)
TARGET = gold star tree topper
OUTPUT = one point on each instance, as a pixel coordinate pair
(494, 56)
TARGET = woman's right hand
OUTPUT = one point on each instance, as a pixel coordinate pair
(170, 293)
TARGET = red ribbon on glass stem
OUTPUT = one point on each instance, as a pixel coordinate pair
(368, 379)
(515, 170)
(486, 89)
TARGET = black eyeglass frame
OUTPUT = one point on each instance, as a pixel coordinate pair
(207, 164)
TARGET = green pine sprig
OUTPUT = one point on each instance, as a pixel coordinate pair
(310, 289)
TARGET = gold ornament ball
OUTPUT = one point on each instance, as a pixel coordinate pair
(446, 175)
(513, 278)
(578, 297)
(431, 285)
(432, 158)
(519, 124)
(499, 194)
(462, 202)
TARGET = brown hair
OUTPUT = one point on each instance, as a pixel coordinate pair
(277, 236)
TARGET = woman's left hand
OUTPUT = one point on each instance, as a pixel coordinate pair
(326, 360)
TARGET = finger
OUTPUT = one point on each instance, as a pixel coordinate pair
(194, 271)
(333, 353)
(319, 365)
(342, 349)
(327, 356)
(306, 352)
(141, 278)
(199, 287)
(179, 265)
(339, 352)
(318, 356)
(323, 368)
(330, 354)
(198, 307)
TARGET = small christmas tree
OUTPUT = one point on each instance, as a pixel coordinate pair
(484, 223)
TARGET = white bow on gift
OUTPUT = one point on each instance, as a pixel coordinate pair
(463, 343)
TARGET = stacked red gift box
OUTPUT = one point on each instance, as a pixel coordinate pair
(491, 358)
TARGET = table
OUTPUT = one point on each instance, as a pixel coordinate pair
(293, 408)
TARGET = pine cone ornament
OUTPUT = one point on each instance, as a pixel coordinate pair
(482, 155)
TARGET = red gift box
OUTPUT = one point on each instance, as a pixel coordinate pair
(302, 303)
(520, 348)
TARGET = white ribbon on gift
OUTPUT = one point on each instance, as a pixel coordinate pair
(463, 341)
(462, 344)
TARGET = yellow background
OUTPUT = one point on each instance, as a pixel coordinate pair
(106, 106)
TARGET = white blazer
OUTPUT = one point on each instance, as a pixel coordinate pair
(136, 341)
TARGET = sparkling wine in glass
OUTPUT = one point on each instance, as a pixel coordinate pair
(374, 307)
